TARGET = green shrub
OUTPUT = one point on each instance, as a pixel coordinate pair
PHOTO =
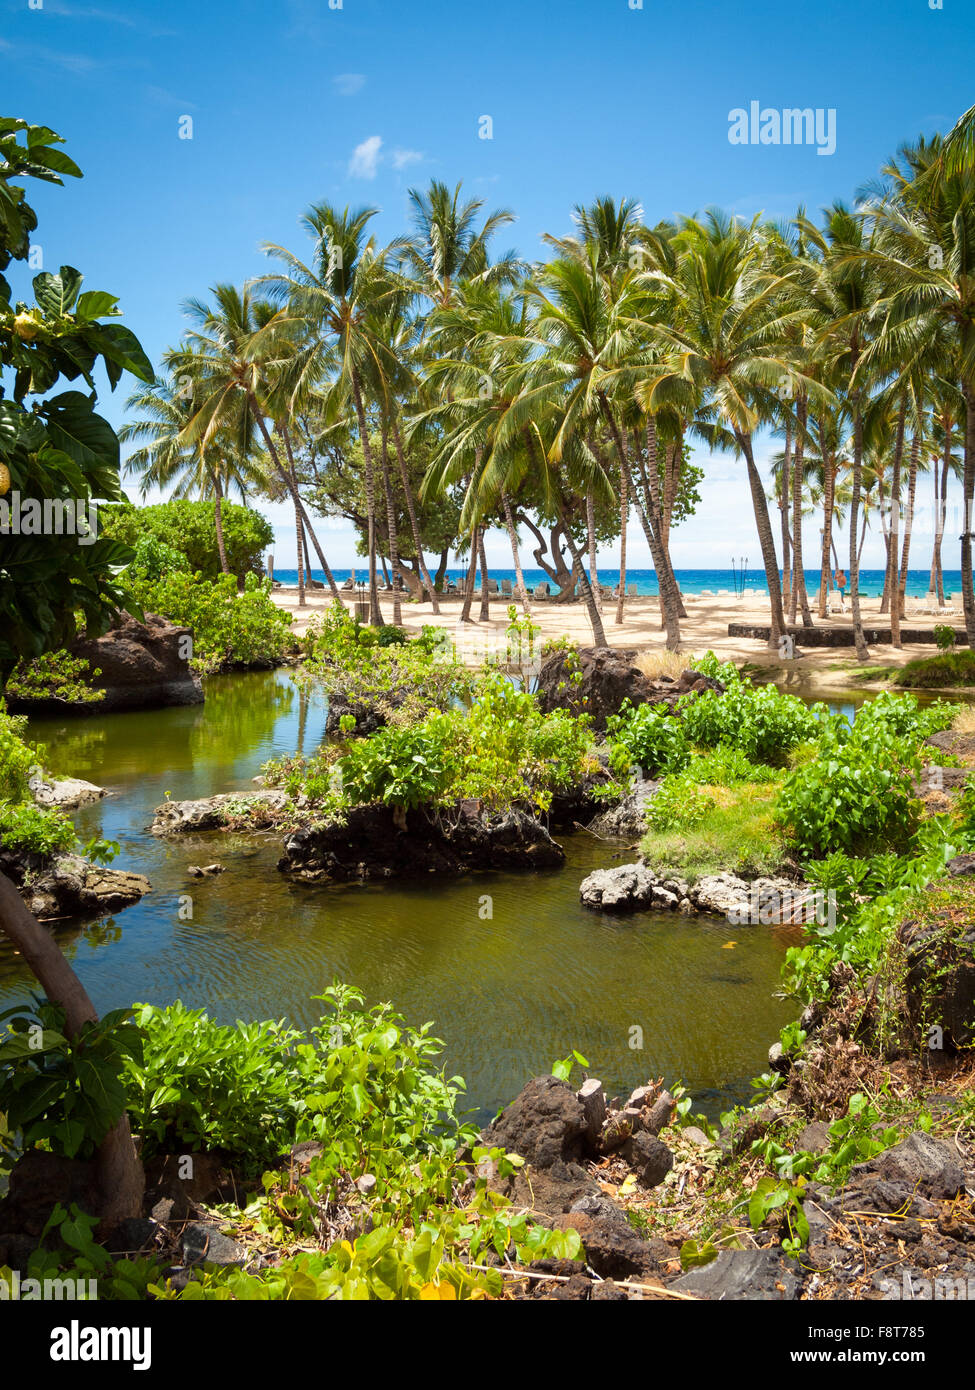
(190, 529)
(949, 668)
(229, 628)
(648, 737)
(502, 751)
(857, 795)
(760, 722)
(55, 676)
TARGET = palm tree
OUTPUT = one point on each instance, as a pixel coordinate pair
(335, 304)
(924, 259)
(164, 460)
(234, 351)
(727, 343)
(840, 294)
(447, 251)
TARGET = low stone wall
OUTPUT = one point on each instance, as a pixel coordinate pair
(842, 636)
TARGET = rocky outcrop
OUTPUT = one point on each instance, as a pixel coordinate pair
(555, 1129)
(939, 951)
(628, 888)
(71, 887)
(142, 666)
(627, 820)
(379, 842)
(596, 681)
(636, 888)
(65, 793)
(744, 1276)
(256, 811)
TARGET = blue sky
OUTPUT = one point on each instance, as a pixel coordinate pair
(294, 101)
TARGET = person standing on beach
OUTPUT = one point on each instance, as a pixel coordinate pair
(839, 579)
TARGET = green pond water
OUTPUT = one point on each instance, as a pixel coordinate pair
(509, 994)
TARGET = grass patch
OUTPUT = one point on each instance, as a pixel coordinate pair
(659, 662)
(937, 672)
(738, 833)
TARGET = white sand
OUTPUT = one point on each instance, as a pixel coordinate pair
(706, 627)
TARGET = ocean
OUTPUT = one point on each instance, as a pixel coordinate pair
(690, 581)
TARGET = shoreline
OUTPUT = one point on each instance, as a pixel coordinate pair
(706, 628)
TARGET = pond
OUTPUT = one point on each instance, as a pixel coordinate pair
(509, 992)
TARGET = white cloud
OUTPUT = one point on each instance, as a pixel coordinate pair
(401, 158)
(348, 83)
(365, 158)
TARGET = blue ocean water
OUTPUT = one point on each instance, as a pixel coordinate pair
(691, 581)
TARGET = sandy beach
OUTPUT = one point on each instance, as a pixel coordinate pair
(705, 628)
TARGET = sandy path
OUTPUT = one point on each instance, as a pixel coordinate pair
(706, 627)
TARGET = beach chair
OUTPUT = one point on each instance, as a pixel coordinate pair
(542, 591)
(631, 591)
(493, 589)
(506, 589)
(347, 586)
(606, 592)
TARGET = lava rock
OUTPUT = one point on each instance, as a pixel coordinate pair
(141, 665)
(921, 1161)
(649, 1157)
(746, 1276)
(546, 1122)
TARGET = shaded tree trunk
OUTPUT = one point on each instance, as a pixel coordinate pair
(624, 515)
(520, 586)
(785, 491)
(829, 494)
(218, 522)
(862, 650)
(309, 529)
(484, 615)
(591, 539)
(798, 593)
(411, 513)
(391, 528)
(766, 541)
(119, 1174)
(579, 570)
(908, 522)
(968, 491)
(465, 612)
(375, 615)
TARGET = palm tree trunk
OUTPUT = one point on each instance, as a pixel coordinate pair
(766, 541)
(908, 521)
(218, 522)
(648, 512)
(465, 612)
(943, 510)
(391, 528)
(485, 614)
(890, 580)
(968, 492)
(591, 538)
(579, 569)
(509, 520)
(624, 516)
(829, 492)
(785, 491)
(118, 1172)
(862, 650)
(309, 529)
(375, 616)
(411, 513)
(302, 601)
(798, 572)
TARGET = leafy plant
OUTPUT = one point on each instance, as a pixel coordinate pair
(66, 1092)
